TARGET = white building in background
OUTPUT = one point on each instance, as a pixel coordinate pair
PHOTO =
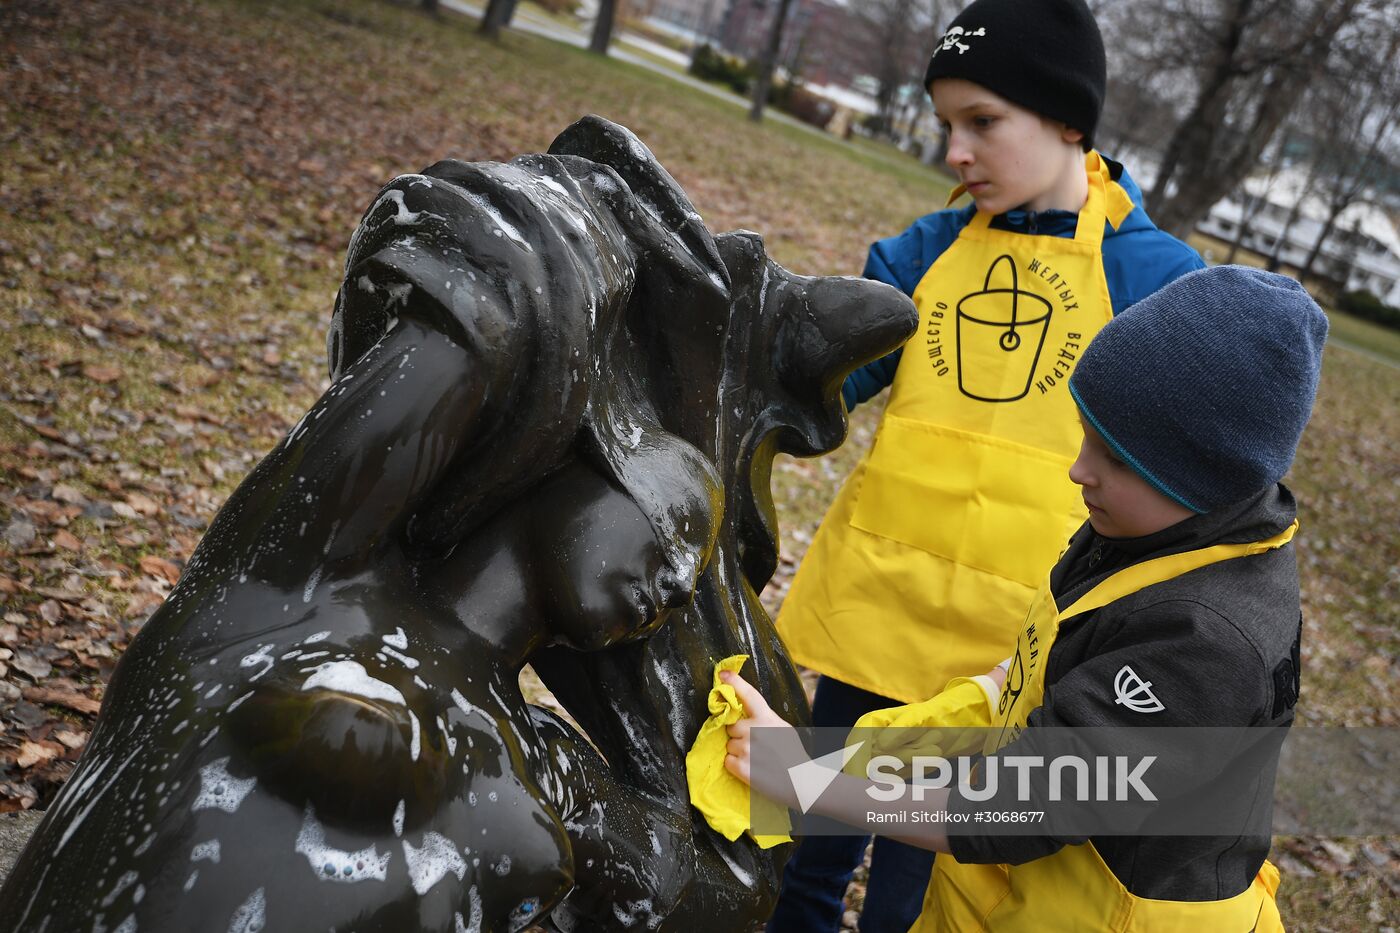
(1362, 251)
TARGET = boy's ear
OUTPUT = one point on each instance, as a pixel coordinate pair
(1070, 135)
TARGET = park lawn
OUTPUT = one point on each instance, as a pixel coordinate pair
(1364, 335)
(1346, 329)
(181, 180)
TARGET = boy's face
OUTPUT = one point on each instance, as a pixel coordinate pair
(1121, 503)
(1006, 155)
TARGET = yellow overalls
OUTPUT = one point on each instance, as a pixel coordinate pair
(927, 560)
(1073, 889)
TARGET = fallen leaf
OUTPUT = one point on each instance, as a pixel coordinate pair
(67, 540)
(100, 649)
(69, 595)
(32, 666)
(160, 567)
(73, 740)
(19, 533)
(31, 753)
(51, 433)
(102, 372)
(142, 504)
(16, 795)
(60, 697)
(1339, 853)
(125, 511)
(65, 493)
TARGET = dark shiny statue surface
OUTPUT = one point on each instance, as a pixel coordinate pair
(556, 401)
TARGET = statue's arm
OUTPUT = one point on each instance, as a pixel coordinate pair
(345, 479)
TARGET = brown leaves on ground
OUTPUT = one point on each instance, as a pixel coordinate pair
(172, 227)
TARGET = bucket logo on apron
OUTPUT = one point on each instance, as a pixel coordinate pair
(999, 334)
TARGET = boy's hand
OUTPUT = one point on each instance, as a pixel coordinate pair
(998, 673)
(772, 782)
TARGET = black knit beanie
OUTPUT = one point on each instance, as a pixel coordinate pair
(1045, 55)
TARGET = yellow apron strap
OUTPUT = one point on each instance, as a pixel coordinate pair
(1140, 576)
(981, 220)
(1092, 215)
(1118, 204)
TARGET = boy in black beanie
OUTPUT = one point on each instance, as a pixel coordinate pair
(927, 561)
(1175, 607)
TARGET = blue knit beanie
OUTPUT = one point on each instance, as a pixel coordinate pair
(1204, 387)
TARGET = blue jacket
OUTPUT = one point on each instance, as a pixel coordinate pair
(1138, 259)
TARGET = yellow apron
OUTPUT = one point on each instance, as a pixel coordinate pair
(931, 552)
(1073, 889)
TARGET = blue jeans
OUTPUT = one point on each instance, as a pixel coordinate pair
(816, 876)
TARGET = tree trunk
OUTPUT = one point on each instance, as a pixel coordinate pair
(884, 110)
(1348, 181)
(1241, 229)
(603, 27)
(764, 79)
(1332, 216)
(702, 26)
(1349, 257)
(1195, 156)
(1200, 123)
(429, 6)
(1276, 254)
(496, 17)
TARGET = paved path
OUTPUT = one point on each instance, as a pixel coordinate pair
(524, 22)
(1364, 351)
(15, 829)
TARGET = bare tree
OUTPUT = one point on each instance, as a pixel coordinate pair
(497, 17)
(1252, 205)
(764, 79)
(1137, 112)
(603, 27)
(1362, 101)
(1294, 211)
(897, 36)
(1254, 59)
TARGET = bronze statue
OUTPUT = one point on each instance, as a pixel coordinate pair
(555, 404)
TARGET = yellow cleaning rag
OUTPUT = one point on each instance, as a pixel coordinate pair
(720, 797)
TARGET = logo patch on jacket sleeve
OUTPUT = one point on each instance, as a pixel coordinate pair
(1287, 676)
(1135, 693)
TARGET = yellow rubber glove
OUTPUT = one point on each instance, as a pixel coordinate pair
(953, 723)
(721, 798)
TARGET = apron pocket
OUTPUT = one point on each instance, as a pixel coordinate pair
(983, 502)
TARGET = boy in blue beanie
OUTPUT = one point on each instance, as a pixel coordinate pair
(1176, 604)
(928, 559)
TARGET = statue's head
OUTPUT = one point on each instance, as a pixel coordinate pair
(604, 572)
